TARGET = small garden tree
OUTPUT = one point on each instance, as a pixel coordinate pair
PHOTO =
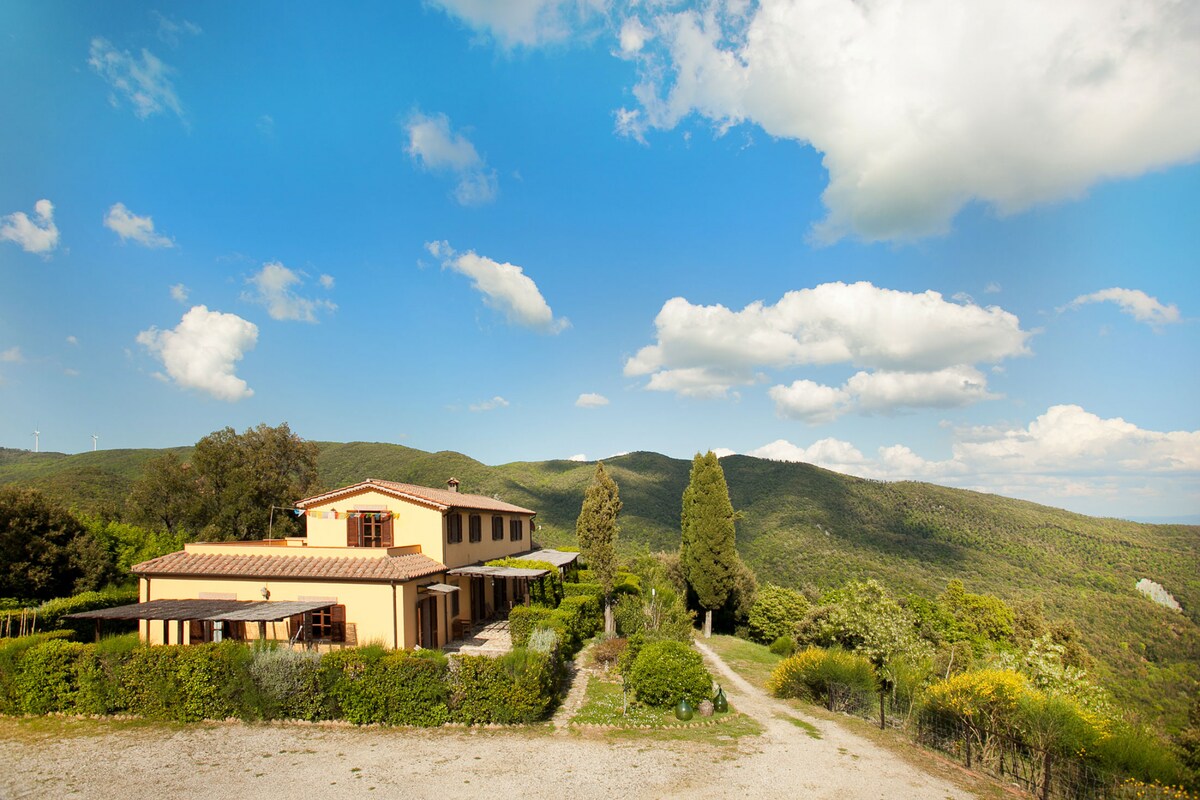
(709, 549)
(596, 530)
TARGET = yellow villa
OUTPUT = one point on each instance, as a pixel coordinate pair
(382, 562)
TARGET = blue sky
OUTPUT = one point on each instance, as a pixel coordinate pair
(918, 241)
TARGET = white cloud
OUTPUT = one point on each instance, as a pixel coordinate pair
(11, 356)
(72, 340)
(170, 30)
(920, 345)
(179, 293)
(326, 281)
(145, 83)
(521, 22)
(128, 225)
(992, 287)
(633, 36)
(809, 401)
(946, 388)
(436, 148)
(34, 236)
(591, 400)
(577, 457)
(1064, 452)
(1134, 302)
(273, 289)
(722, 452)
(489, 405)
(921, 108)
(505, 287)
(203, 350)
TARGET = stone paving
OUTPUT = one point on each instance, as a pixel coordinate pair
(492, 639)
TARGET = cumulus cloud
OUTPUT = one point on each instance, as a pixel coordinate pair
(128, 226)
(38, 235)
(11, 356)
(921, 108)
(202, 351)
(273, 289)
(179, 293)
(919, 346)
(522, 22)
(489, 405)
(505, 287)
(1134, 302)
(72, 340)
(144, 83)
(326, 281)
(633, 36)
(577, 457)
(1064, 452)
(591, 400)
(436, 148)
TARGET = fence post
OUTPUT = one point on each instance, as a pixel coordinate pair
(882, 714)
(967, 739)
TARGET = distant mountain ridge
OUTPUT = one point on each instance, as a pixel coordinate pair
(803, 525)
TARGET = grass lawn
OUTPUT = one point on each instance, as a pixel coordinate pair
(754, 662)
(603, 705)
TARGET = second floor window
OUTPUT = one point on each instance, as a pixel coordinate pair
(369, 529)
(497, 528)
(516, 530)
(454, 529)
(476, 528)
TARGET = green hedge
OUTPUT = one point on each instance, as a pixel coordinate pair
(45, 674)
(577, 619)
(51, 615)
(576, 589)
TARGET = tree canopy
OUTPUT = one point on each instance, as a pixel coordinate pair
(709, 548)
(45, 550)
(596, 528)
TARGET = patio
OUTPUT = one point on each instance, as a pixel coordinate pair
(486, 639)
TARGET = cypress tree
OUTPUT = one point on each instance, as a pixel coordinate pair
(597, 530)
(709, 547)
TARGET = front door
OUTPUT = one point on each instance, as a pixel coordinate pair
(427, 623)
(478, 601)
(500, 588)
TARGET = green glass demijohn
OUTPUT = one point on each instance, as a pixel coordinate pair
(684, 710)
(720, 702)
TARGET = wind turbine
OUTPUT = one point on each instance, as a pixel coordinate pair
(36, 434)
(95, 439)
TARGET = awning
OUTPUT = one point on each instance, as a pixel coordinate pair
(440, 588)
(237, 610)
(499, 572)
(559, 558)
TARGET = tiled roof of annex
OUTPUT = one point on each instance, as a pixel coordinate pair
(402, 567)
(442, 499)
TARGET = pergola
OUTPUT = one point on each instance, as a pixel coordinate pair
(180, 611)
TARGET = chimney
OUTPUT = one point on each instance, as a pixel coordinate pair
(452, 484)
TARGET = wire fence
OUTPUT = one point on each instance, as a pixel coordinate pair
(1038, 772)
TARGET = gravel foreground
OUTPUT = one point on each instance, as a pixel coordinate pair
(210, 761)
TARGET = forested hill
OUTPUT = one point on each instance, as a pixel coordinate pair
(805, 525)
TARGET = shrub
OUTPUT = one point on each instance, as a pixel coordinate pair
(607, 652)
(836, 678)
(625, 659)
(371, 685)
(288, 683)
(523, 619)
(100, 669)
(519, 687)
(576, 589)
(11, 653)
(544, 641)
(1127, 750)
(783, 646)
(628, 614)
(52, 613)
(775, 613)
(582, 616)
(664, 672)
(47, 678)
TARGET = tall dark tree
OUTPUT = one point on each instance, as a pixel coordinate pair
(596, 529)
(709, 548)
(45, 550)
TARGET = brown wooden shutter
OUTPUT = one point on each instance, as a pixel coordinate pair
(337, 618)
(387, 531)
(352, 531)
(195, 631)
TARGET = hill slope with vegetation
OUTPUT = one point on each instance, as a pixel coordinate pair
(803, 526)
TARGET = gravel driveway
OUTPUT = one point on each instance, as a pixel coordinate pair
(123, 761)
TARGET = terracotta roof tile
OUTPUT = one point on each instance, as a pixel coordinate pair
(443, 499)
(388, 568)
